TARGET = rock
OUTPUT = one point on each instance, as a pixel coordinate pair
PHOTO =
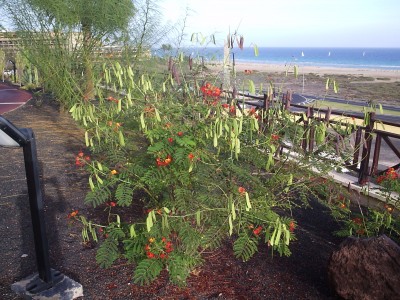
(366, 269)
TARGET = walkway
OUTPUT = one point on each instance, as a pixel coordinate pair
(11, 97)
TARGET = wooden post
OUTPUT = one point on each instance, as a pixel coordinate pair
(312, 132)
(288, 100)
(357, 145)
(377, 151)
(364, 172)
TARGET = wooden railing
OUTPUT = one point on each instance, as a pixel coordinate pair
(364, 135)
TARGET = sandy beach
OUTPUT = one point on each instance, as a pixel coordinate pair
(358, 84)
(393, 75)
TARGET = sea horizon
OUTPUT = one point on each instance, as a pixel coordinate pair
(339, 57)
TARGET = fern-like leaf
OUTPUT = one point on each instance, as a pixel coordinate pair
(245, 246)
(107, 253)
(179, 269)
(124, 194)
(98, 196)
(147, 271)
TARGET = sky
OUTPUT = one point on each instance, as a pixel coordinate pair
(292, 23)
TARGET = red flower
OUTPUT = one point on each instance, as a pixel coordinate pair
(168, 247)
(162, 163)
(112, 99)
(180, 133)
(357, 221)
(225, 105)
(163, 256)
(275, 137)
(79, 162)
(241, 190)
(257, 231)
(73, 214)
(191, 156)
(171, 140)
(113, 204)
(150, 255)
(232, 109)
(80, 154)
(292, 226)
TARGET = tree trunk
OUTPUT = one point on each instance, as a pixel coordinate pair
(89, 90)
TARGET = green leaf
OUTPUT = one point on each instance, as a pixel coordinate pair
(149, 222)
(255, 50)
(198, 218)
(121, 139)
(132, 231)
(252, 88)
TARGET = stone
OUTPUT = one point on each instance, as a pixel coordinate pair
(64, 289)
(366, 268)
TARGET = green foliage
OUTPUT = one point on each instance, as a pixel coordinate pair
(124, 194)
(107, 253)
(205, 171)
(245, 246)
(147, 270)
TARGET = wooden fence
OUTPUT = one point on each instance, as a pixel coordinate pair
(365, 136)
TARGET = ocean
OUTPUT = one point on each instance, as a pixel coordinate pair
(369, 58)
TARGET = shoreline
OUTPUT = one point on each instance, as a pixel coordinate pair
(241, 66)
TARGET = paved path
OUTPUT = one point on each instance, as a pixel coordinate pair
(12, 98)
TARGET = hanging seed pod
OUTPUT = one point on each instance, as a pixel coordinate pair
(170, 63)
(190, 63)
(241, 43)
(175, 74)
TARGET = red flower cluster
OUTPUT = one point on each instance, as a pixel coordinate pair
(81, 159)
(391, 174)
(191, 156)
(275, 137)
(241, 190)
(112, 99)
(253, 112)
(158, 250)
(209, 90)
(257, 231)
(164, 162)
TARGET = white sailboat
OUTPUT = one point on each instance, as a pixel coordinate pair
(329, 53)
(302, 53)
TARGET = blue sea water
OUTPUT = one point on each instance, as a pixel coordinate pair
(370, 58)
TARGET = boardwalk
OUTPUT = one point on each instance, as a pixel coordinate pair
(12, 98)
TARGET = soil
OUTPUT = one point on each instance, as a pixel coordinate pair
(301, 276)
